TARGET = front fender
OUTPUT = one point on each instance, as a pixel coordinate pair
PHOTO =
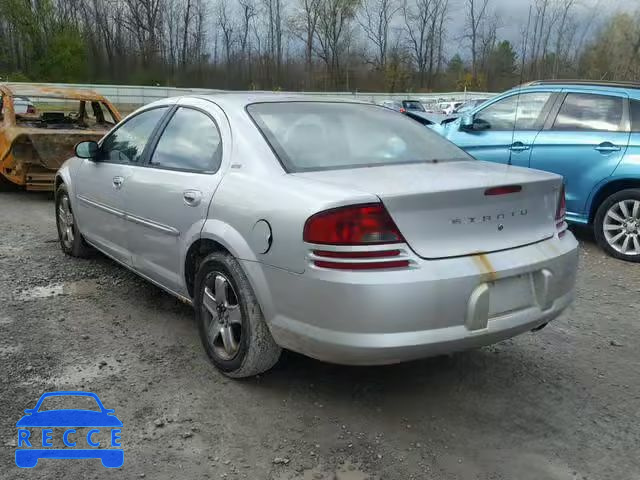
(66, 175)
(63, 175)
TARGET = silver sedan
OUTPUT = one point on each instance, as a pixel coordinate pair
(341, 230)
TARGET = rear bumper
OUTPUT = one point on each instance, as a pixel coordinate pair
(441, 306)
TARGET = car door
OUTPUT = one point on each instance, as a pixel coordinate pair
(168, 200)
(100, 184)
(510, 126)
(583, 140)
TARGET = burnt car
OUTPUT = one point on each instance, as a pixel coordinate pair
(35, 140)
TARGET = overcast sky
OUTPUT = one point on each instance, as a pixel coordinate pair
(514, 14)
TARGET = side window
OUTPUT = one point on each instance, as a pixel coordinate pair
(635, 115)
(191, 141)
(127, 142)
(520, 112)
(588, 112)
(96, 113)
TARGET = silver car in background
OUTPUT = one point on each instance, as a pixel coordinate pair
(340, 230)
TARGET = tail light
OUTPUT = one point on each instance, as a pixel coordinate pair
(403, 110)
(31, 110)
(561, 213)
(367, 224)
(355, 225)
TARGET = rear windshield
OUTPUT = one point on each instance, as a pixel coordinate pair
(413, 105)
(308, 136)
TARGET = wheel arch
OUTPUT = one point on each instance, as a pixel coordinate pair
(606, 190)
(216, 236)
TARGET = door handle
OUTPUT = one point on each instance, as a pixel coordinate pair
(117, 182)
(192, 197)
(519, 147)
(607, 147)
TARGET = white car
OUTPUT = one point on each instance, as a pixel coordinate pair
(23, 106)
(448, 108)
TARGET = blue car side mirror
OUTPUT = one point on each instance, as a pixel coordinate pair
(29, 410)
(470, 124)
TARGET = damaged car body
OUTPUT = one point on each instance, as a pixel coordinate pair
(35, 141)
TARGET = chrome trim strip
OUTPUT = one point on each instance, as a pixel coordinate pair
(132, 218)
(101, 206)
(153, 225)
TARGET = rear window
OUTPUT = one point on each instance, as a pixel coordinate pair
(635, 116)
(308, 136)
(413, 105)
(588, 112)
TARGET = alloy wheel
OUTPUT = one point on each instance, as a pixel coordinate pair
(65, 222)
(220, 304)
(621, 227)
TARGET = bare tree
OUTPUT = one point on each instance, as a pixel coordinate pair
(303, 26)
(332, 35)
(562, 34)
(476, 16)
(227, 28)
(375, 19)
(143, 20)
(274, 16)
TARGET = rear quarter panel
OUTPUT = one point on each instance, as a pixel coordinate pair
(285, 202)
(256, 187)
(627, 170)
(629, 166)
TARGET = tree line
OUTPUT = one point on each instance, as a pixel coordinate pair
(334, 45)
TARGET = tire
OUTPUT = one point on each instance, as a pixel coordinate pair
(71, 240)
(617, 225)
(232, 328)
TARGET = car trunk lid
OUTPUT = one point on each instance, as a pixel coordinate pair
(443, 209)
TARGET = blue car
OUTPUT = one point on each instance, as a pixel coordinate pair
(588, 132)
(35, 433)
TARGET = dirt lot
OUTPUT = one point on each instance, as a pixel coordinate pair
(563, 403)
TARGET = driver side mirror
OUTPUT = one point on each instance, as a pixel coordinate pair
(471, 124)
(88, 150)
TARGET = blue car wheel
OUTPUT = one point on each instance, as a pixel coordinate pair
(617, 225)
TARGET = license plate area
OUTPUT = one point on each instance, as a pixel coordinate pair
(510, 295)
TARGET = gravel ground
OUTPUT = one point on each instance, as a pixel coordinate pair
(563, 403)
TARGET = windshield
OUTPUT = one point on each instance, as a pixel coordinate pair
(467, 107)
(309, 136)
(470, 105)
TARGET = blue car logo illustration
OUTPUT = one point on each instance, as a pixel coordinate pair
(34, 444)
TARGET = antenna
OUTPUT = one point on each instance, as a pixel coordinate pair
(524, 56)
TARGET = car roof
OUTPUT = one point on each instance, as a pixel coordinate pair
(630, 88)
(244, 99)
(48, 91)
(237, 101)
